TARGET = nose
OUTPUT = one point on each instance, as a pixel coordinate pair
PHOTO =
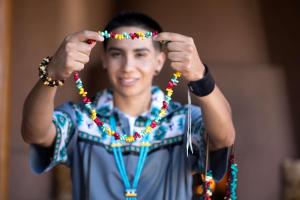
(129, 63)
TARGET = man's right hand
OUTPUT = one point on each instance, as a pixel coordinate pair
(73, 54)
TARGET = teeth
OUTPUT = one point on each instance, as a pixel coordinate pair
(128, 81)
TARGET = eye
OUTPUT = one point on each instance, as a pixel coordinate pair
(115, 54)
(139, 55)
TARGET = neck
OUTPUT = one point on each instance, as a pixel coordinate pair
(134, 105)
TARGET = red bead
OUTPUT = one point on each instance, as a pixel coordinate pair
(136, 35)
(86, 100)
(153, 124)
(137, 135)
(154, 33)
(98, 122)
(112, 34)
(117, 136)
(132, 35)
(170, 85)
(165, 105)
(76, 77)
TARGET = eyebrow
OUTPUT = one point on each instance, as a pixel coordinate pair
(135, 50)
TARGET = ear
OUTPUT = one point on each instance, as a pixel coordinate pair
(160, 61)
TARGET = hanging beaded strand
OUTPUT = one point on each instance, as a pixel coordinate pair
(232, 177)
(92, 111)
(208, 179)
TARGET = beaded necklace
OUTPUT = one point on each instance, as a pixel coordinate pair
(92, 111)
(116, 139)
(130, 190)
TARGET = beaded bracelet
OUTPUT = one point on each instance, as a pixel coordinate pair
(43, 74)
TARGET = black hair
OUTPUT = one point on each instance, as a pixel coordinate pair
(132, 18)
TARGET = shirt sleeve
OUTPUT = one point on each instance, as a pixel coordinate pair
(218, 160)
(43, 159)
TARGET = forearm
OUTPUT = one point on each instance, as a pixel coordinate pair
(72, 55)
(37, 126)
(217, 118)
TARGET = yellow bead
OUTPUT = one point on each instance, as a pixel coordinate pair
(162, 112)
(129, 139)
(169, 90)
(169, 93)
(148, 129)
(177, 74)
(109, 131)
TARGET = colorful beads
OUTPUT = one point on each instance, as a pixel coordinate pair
(116, 135)
(130, 193)
(109, 131)
(208, 184)
(43, 74)
(136, 135)
(126, 35)
(129, 139)
(93, 114)
(148, 129)
(82, 92)
(231, 179)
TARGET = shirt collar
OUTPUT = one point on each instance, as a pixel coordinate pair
(105, 106)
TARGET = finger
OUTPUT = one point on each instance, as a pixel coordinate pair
(177, 46)
(178, 56)
(81, 57)
(84, 47)
(168, 36)
(76, 66)
(177, 66)
(85, 35)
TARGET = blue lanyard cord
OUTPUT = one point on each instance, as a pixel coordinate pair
(117, 151)
(142, 159)
(121, 171)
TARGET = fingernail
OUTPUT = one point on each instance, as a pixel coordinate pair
(101, 38)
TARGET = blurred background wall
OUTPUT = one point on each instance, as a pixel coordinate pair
(251, 47)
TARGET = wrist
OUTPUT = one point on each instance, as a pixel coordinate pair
(47, 78)
(204, 86)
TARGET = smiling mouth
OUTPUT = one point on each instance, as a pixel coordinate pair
(127, 81)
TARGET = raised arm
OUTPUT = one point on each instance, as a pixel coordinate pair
(72, 55)
(216, 110)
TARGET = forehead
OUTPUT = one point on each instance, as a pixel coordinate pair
(128, 44)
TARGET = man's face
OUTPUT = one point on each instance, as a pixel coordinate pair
(131, 64)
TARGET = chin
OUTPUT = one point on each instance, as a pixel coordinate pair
(131, 91)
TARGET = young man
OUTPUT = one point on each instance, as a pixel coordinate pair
(101, 168)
